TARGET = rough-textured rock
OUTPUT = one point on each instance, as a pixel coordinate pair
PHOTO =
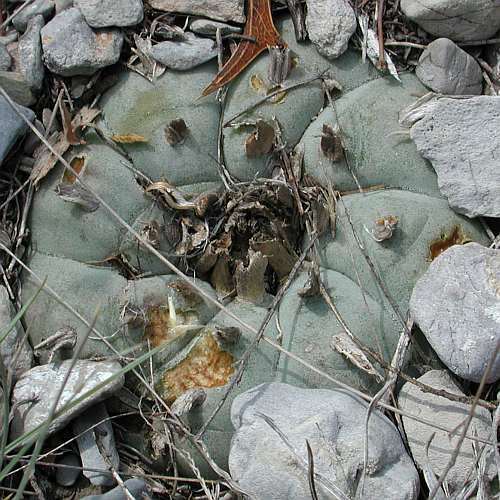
(63, 5)
(461, 139)
(457, 306)
(30, 54)
(5, 59)
(209, 27)
(447, 69)
(449, 414)
(330, 24)
(67, 476)
(106, 13)
(35, 392)
(222, 10)
(458, 20)
(15, 351)
(38, 7)
(332, 421)
(136, 487)
(184, 54)
(71, 47)
(17, 88)
(96, 442)
(13, 126)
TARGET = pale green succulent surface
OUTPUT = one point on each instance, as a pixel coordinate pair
(70, 246)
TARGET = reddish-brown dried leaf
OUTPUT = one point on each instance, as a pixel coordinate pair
(259, 26)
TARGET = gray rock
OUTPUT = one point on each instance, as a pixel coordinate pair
(449, 414)
(30, 54)
(105, 13)
(461, 138)
(136, 487)
(457, 306)
(10, 37)
(330, 24)
(492, 56)
(35, 392)
(445, 68)
(458, 20)
(15, 351)
(184, 54)
(17, 88)
(332, 421)
(67, 476)
(63, 5)
(13, 126)
(71, 47)
(222, 10)
(91, 427)
(5, 59)
(209, 27)
(43, 7)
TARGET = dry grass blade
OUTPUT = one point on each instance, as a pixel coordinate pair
(310, 472)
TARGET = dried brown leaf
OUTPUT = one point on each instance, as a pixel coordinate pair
(128, 138)
(261, 141)
(70, 132)
(78, 165)
(278, 256)
(176, 132)
(45, 161)
(222, 279)
(331, 143)
(250, 280)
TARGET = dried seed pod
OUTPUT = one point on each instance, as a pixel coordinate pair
(176, 131)
(383, 228)
(331, 143)
(280, 64)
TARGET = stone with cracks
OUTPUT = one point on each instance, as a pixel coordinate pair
(221, 10)
(30, 54)
(456, 304)
(106, 13)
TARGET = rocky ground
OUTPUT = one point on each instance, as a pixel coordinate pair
(249, 249)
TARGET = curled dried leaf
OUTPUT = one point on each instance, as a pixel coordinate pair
(383, 228)
(128, 138)
(261, 141)
(250, 280)
(331, 143)
(70, 131)
(280, 64)
(190, 399)
(170, 195)
(79, 195)
(78, 165)
(176, 131)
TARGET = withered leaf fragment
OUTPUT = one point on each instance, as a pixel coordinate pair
(128, 138)
(70, 132)
(176, 131)
(331, 143)
(250, 280)
(261, 141)
(383, 228)
(280, 64)
(77, 194)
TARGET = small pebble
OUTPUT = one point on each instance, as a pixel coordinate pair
(209, 27)
(106, 13)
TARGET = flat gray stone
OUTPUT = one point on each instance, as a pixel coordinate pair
(67, 476)
(136, 487)
(330, 24)
(447, 69)
(38, 7)
(461, 138)
(449, 414)
(221, 10)
(5, 59)
(63, 5)
(184, 54)
(35, 392)
(462, 20)
(332, 421)
(13, 127)
(106, 13)
(71, 47)
(456, 304)
(91, 426)
(17, 88)
(15, 351)
(209, 27)
(30, 54)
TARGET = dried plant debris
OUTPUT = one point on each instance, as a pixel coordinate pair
(128, 138)
(383, 228)
(261, 141)
(176, 132)
(280, 64)
(331, 143)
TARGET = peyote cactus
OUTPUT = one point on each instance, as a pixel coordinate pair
(78, 250)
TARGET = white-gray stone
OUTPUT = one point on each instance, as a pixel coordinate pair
(38, 7)
(63, 5)
(184, 54)
(15, 351)
(332, 421)
(461, 138)
(449, 414)
(30, 54)
(456, 304)
(209, 27)
(67, 476)
(106, 13)
(330, 24)
(135, 486)
(13, 126)
(35, 392)
(71, 47)
(447, 69)
(5, 59)
(459, 20)
(492, 56)
(90, 427)
(221, 10)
